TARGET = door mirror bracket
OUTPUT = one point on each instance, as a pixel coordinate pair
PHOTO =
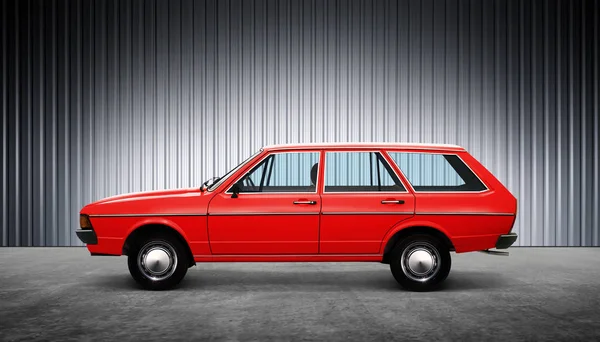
(235, 190)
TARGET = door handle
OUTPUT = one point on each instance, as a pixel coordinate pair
(305, 202)
(392, 202)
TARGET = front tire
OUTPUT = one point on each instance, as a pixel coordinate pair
(158, 262)
(420, 262)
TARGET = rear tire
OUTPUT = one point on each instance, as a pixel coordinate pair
(158, 262)
(420, 262)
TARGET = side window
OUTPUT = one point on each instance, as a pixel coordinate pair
(437, 172)
(283, 172)
(359, 172)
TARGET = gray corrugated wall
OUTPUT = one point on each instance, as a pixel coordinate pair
(104, 97)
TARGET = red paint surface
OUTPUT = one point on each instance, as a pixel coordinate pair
(339, 227)
(356, 223)
(253, 224)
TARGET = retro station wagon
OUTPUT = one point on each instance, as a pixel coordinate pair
(406, 205)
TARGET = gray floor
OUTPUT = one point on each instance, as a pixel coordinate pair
(535, 293)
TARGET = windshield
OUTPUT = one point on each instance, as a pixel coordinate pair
(232, 171)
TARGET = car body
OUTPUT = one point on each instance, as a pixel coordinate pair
(407, 205)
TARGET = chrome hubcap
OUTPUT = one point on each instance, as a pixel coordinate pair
(420, 261)
(157, 260)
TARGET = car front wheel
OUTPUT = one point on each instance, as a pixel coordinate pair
(158, 262)
(420, 262)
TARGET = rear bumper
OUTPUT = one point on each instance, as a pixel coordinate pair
(505, 241)
(87, 236)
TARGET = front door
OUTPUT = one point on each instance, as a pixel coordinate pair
(363, 199)
(275, 212)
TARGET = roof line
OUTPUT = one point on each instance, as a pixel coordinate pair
(418, 146)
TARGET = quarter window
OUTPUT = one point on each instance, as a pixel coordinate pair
(359, 172)
(437, 172)
(283, 172)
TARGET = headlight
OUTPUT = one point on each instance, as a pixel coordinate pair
(84, 222)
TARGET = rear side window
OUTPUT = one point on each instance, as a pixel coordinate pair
(437, 172)
(359, 172)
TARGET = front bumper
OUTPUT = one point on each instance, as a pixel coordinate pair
(87, 236)
(505, 241)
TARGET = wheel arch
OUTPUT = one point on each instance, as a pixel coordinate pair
(399, 233)
(148, 228)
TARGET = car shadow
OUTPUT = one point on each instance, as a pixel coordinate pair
(303, 280)
(475, 280)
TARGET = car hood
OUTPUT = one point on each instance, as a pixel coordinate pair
(154, 193)
(176, 201)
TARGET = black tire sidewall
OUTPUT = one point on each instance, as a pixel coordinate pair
(431, 284)
(164, 284)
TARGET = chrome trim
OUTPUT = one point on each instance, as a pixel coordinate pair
(305, 202)
(392, 202)
(313, 213)
(466, 213)
(263, 214)
(137, 215)
(368, 213)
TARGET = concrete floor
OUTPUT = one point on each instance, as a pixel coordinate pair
(535, 293)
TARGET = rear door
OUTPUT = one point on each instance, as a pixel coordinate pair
(362, 199)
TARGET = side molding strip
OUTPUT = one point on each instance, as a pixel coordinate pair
(261, 214)
(138, 215)
(313, 213)
(368, 213)
(467, 213)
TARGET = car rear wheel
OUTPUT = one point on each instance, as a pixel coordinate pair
(420, 262)
(158, 262)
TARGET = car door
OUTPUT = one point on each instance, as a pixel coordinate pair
(362, 199)
(275, 209)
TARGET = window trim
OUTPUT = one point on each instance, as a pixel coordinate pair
(405, 191)
(487, 188)
(267, 155)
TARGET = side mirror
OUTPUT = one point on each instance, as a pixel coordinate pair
(235, 190)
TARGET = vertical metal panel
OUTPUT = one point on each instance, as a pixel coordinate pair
(4, 213)
(105, 97)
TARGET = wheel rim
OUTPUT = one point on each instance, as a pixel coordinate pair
(420, 261)
(157, 260)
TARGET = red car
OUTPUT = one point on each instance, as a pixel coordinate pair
(406, 205)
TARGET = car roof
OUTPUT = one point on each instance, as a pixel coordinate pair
(373, 145)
